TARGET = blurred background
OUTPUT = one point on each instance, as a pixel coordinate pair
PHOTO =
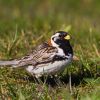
(49, 14)
(34, 18)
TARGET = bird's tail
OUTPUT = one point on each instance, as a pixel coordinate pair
(18, 62)
(12, 63)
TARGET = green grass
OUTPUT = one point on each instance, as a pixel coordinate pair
(25, 24)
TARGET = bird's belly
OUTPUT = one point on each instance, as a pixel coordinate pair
(49, 68)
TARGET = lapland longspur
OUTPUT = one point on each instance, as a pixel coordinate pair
(47, 58)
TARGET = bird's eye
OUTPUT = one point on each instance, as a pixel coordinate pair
(60, 35)
(53, 38)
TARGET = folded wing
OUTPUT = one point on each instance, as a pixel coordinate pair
(41, 54)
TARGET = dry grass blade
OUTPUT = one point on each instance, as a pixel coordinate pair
(75, 58)
(96, 50)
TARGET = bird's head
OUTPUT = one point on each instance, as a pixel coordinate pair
(60, 38)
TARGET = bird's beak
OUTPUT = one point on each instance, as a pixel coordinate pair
(67, 37)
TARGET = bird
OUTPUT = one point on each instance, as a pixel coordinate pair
(48, 58)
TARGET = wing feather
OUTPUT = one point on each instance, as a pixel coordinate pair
(41, 54)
